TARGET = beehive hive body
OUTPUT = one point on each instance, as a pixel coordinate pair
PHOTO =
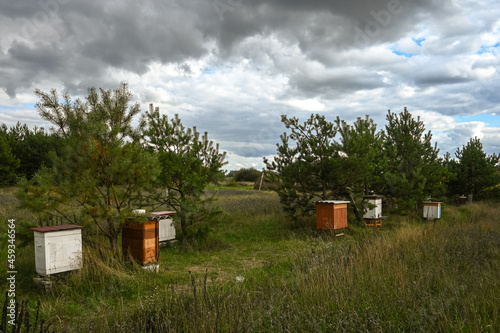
(166, 229)
(375, 212)
(58, 249)
(432, 210)
(331, 214)
(373, 216)
(141, 241)
(166, 225)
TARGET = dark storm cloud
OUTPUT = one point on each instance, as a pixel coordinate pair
(130, 35)
(232, 67)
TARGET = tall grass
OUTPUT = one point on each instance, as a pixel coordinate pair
(420, 277)
(411, 276)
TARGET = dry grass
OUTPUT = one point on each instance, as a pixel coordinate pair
(412, 276)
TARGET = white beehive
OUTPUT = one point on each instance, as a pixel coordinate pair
(58, 249)
(432, 210)
(375, 212)
(166, 225)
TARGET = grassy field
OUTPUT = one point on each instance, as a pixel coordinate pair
(258, 272)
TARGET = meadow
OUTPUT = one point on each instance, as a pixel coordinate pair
(256, 271)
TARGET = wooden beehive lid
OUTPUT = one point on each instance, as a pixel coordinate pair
(431, 202)
(335, 202)
(56, 228)
(162, 213)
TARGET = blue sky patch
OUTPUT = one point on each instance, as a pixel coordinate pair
(13, 108)
(490, 119)
(419, 41)
(404, 54)
(488, 49)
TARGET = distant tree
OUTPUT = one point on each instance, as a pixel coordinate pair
(309, 164)
(247, 175)
(8, 163)
(103, 172)
(189, 162)
(231, 173)
(32, 147)
(475, 170)
(414, 171)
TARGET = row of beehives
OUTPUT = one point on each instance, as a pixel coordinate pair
(332, 214)
(59, 248)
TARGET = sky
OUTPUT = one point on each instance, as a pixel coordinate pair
(233, 67)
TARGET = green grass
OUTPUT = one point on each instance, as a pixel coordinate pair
(411, 276)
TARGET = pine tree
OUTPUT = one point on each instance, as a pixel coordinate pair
(364, 162)
(102, 172)
(475, 170)
(32, 147)
(414, 171)
(308, 163)
(8, 163)
(189, 162)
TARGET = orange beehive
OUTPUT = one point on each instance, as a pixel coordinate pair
(331, 214)
(141, 241)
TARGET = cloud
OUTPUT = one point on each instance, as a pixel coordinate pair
(232, 67)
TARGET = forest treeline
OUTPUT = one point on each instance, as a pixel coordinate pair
(313, 163)
(24, 151)
(324, 160)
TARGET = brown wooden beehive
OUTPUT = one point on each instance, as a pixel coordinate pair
(141, 242)
(331, 214)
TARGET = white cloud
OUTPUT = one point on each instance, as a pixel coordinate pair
(310, 104)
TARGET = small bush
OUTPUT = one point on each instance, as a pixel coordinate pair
(247, 175)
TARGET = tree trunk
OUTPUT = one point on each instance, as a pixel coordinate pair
(113, 241)
(355, 209)
(183, 221)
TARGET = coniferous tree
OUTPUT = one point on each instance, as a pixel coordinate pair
(414, 171)
(309, 164)
(475, 170)
(32, 147)
(189, 162)
(102, 172)
(364, 161)
(8, 163)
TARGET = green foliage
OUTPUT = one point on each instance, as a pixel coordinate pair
(189, 162)
(32, 147)
(414, 171)
(311, 169)
(8, 163)
(102, 172)
(320, 168)
(247, 175)
(475, 170)
(364, 165)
